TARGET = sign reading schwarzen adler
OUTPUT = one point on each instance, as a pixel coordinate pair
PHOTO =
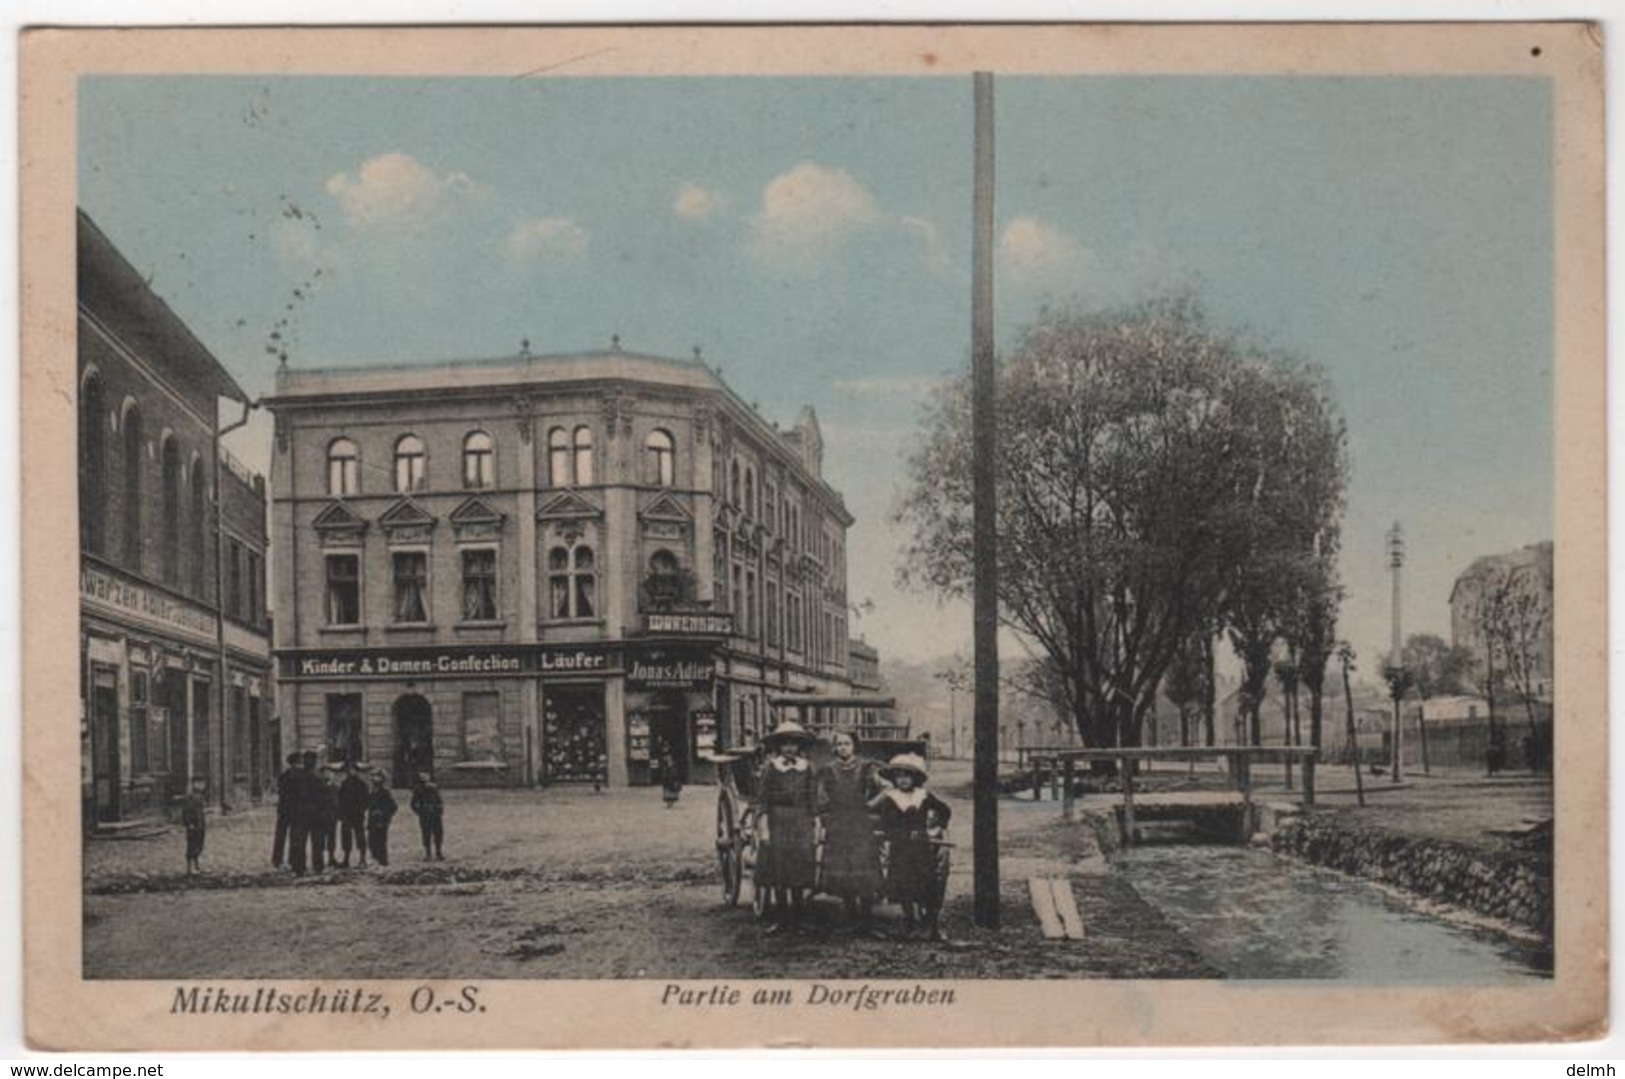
(463, 662)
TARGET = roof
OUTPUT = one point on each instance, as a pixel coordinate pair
(113, 291)
(1531, 555)
(501, 371)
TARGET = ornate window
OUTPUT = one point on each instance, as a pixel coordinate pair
(93, 465)
(343, 590)
(480, 585)
(410, 459)
(660, 450)
(582, 453)
(343, 468)
(572, 583)
(750, 492)
(558, 457)
(478, 460)
(411, 586)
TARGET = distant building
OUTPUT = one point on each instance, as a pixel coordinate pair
(1525, 573)
(152, 640)
(547, 568)
(863, 667)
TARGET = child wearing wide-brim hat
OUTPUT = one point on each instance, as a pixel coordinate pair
(786, 833)
(912, 819)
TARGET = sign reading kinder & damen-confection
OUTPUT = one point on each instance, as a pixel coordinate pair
(457, 662)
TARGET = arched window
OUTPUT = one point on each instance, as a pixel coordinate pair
(170, 459)
(343, 468)
(200, 526)
(663, 564)
(558, 457)
(410, 458)
(660, 451)
(583, 456)
(93, 465)
(132, 485)
(572, 582)
(733, 484)
(478, 460)
(750, 491)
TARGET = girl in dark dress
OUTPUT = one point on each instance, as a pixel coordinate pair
(914, 821)
(851, 866)
(786, 828)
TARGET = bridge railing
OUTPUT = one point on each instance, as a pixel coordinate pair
(1061, 766)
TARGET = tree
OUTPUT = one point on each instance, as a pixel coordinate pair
(1438, 669)
(1129, 489)
(1186, 683)
(1513, 614)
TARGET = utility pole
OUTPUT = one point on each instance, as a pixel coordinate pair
(984, 504)
(1396, 655)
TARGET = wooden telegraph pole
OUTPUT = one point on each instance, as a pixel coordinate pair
(984, 445)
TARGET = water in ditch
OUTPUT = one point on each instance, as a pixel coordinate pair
(1255, 915)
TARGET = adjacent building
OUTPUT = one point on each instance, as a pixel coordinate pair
(543, 569)
(174, 627)
(1510, 593)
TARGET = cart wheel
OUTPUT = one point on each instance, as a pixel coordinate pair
(748, 854)
(728, 847)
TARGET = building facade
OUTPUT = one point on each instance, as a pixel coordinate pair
(175, 683)
(545, 569)
(1510, 593)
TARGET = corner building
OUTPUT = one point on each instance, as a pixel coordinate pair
(174, 632)
(546, 569)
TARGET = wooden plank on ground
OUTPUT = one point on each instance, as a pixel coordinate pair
(1044, 907)
(1066, 907)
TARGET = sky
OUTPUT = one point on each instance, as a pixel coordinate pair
(812, 237)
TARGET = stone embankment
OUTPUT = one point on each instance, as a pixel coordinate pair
(1510, 886)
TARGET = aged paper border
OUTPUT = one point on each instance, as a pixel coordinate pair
(64, 1011)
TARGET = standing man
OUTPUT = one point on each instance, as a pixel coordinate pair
(325, 819)
(430, 809)
(353, 813)
(284, 811)
(195, 819)
(303, 798)
(380, 811)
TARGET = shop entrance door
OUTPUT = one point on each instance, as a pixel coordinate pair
(668, 729)
(104, 748)
(573, 734)
(414, 739)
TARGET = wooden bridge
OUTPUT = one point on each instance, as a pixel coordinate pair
(1060, 768)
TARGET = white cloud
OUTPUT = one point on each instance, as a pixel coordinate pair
(1030, 250)
(809, 211)
(395, 191)
(696, 203)
(929, 237)
(547, 238)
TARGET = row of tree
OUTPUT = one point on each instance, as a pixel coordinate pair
(1163, 485)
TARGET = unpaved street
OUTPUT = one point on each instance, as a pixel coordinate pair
(566, 883)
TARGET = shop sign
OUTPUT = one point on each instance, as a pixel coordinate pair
(116, 595)
(664, 668)
(692, 624)
(466, 662)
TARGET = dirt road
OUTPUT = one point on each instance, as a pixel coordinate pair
(570, 884)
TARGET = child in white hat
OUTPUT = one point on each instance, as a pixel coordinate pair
(913, 820)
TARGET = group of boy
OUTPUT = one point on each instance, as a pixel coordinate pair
(319, 817)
